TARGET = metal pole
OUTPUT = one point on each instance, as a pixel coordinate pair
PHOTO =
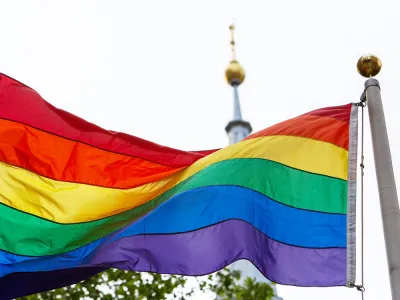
(386, 183)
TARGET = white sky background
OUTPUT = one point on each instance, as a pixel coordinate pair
(155, 69)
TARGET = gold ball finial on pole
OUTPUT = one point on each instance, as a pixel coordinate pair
(369, 65)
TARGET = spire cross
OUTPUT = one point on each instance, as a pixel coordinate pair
(232, 29)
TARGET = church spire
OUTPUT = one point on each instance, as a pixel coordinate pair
(237, 129)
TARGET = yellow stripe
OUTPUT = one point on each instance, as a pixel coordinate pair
(66, 202)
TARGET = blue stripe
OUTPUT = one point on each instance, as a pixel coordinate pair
(203, 207)
(209, 205)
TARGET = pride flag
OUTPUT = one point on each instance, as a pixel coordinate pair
(76, 199)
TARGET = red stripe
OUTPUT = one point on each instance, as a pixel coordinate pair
(341, 113)
(205, 152)
(22, 104)
(325, 129)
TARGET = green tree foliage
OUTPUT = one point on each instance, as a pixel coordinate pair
(227, 285)
(116, 284)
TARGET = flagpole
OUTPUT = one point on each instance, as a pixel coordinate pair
(369, 66)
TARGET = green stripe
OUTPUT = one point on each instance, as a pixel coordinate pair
(29, 235)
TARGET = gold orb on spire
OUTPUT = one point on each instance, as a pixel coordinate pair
(369, 65)
(234, 73)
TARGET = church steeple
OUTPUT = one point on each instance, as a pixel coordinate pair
(237, 129)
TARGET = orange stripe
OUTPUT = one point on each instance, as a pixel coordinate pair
(65, 160)
(324, 129)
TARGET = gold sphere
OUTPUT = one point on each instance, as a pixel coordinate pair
(369, 65)
(234, 74)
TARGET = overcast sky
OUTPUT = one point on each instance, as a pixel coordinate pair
(155, 69)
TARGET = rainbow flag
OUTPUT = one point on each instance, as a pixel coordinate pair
(76, 199)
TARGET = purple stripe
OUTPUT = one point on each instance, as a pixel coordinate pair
(205, 251)
(210, 249)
